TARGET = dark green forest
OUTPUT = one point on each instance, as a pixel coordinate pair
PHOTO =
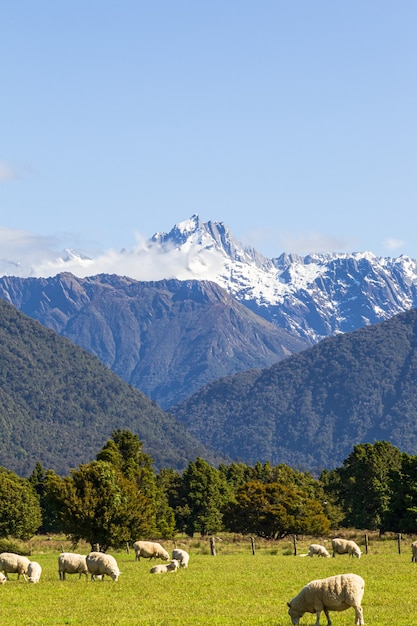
(119, 497)
(59, 404)
(310, 409)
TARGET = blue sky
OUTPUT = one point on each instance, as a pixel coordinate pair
(294, 122)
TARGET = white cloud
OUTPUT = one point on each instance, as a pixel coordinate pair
(24, 254)
(7, 172)
(393, 244)
(16, 171)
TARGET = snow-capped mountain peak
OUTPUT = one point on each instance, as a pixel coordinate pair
(312, 296)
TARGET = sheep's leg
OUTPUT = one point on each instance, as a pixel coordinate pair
(318, 618)
(358, 616)
(326, 612)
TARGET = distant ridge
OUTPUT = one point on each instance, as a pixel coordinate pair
(309, 410)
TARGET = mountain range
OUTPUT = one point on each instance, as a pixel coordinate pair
(222, 307)
(294, 359)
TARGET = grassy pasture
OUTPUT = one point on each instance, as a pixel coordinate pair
(232, 588)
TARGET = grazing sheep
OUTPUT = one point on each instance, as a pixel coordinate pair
(100, 564)
(414, 552)
(2, 579)
(345, 546)
(34, 572)
(150, 550)
(182, 556)
(335, 593)
(72, 563)
(316, 548)
(11, 563)
(162, 568)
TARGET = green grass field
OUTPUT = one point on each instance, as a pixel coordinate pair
(234, 587)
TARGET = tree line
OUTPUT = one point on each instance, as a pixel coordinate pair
(118, 497)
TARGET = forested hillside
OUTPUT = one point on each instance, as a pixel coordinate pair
(311, 409)
(167, 338)
(59, 404)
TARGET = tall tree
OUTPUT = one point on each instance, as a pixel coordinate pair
(124, 451)
(20, 511)
(274, 510)
(402, 514)
(99, 504)
(50, 520)
(363, 484)
(203, 494)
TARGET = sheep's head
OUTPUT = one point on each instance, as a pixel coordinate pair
(294, 614)
(174, 564)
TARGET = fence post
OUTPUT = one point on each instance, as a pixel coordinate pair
(399, 543)
(212, 546)
(294, 539)
(252, 541)
(366, 543)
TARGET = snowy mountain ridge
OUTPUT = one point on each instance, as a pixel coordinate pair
(311, 296)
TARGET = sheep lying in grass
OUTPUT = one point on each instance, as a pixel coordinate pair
(316, 548)
(100, 564)
(150, 550)
(414, 552)
(182, 556)
(34, 572)
(336, 593)
(345, 546)
(163, 568)
(11, 563)
(72, 563)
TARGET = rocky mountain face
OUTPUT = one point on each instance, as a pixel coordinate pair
(166, 338)
(312, 297)
(221, 308)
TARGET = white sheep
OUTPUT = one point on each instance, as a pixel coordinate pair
(345, 546)
(182, 556)
(414, 552)
(100, 564)
(162, 568)
(150, 550)
(316, 548)
(11, 563)
(336, 593)
(34, 572)
(2, 579)
(72, 563)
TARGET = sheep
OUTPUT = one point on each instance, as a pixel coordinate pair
(72, 563)
(150, 550)
(345, 546)
(162, 568)
(335, 593)
(414, 552)
(100, 564)
(182, 556)
(2, 579)
(34, 572)
(316, 548)
(11, 563)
